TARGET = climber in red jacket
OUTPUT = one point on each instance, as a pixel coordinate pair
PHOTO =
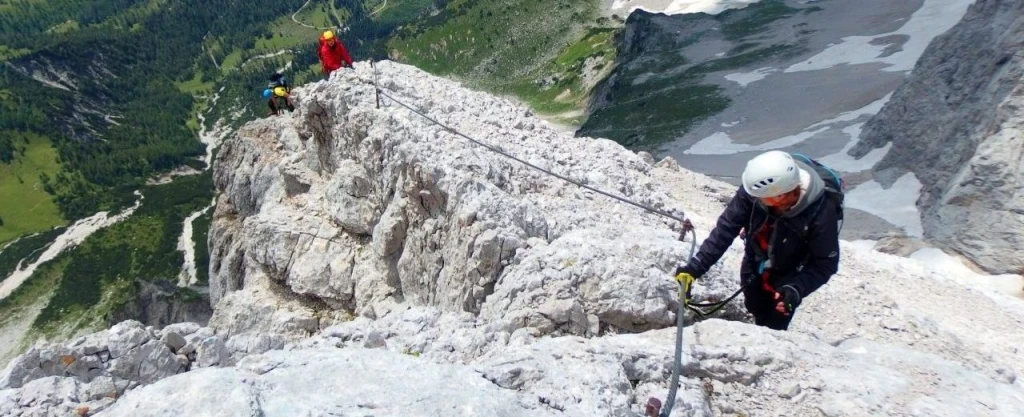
(333, 54)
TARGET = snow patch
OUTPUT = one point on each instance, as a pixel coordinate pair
(680, 6)
(932, 19)
(721, 144)
(642, 78)
(744, 78)
(944, 264)
(864, 244)
(842, 161)
(896, 205)
(868, 110)
(71, 237)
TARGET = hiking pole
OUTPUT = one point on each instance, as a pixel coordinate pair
(653, 404)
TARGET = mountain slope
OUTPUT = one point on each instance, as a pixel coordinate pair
(548, 54)
(955, 127)
(347, 227)
(712, 91)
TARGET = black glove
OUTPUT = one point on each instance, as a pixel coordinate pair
(789, 297)
(686, 269)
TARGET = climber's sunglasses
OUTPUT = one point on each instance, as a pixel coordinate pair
(779, 200)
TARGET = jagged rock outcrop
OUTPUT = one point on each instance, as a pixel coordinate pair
(160, 303)
(352, 207)
(956, 125)
(572, 323)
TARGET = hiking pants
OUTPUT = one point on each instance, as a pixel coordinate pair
(761, 304)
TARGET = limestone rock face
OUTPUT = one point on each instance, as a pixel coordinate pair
(357, 208)
(956, 124)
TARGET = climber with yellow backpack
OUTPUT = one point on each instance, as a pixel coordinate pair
(278, 95)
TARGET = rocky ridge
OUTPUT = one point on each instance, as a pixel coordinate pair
(956, 126)
(370, 262)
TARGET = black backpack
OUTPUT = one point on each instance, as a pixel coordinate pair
(277, 80)
(834, 184)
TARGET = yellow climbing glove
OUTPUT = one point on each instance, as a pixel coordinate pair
(685, 283)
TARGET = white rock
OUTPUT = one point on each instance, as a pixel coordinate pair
(374, 340)
(126, 336)
(789, 389)
(173, 340)
(183, 329)
(212, 352)
(341, 381)
(436, 222)
(99, 388)
(248, 343)
(91, 344)
(146, 364)
(21, 370)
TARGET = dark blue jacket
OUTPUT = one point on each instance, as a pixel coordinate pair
(804, 248)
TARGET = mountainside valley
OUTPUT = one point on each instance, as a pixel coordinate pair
(91, 137)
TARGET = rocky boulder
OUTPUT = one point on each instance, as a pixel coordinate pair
(91, 372)
(160, 303)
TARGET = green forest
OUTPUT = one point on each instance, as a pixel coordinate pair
(115, 86)
(112, 105)
(98, 98)
(84, 286)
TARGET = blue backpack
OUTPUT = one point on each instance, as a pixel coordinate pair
(834, 184)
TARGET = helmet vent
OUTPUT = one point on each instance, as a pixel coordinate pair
(764, 183)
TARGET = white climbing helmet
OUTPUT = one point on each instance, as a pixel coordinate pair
(771, 174)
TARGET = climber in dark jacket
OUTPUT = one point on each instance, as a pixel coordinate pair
(791, 240)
